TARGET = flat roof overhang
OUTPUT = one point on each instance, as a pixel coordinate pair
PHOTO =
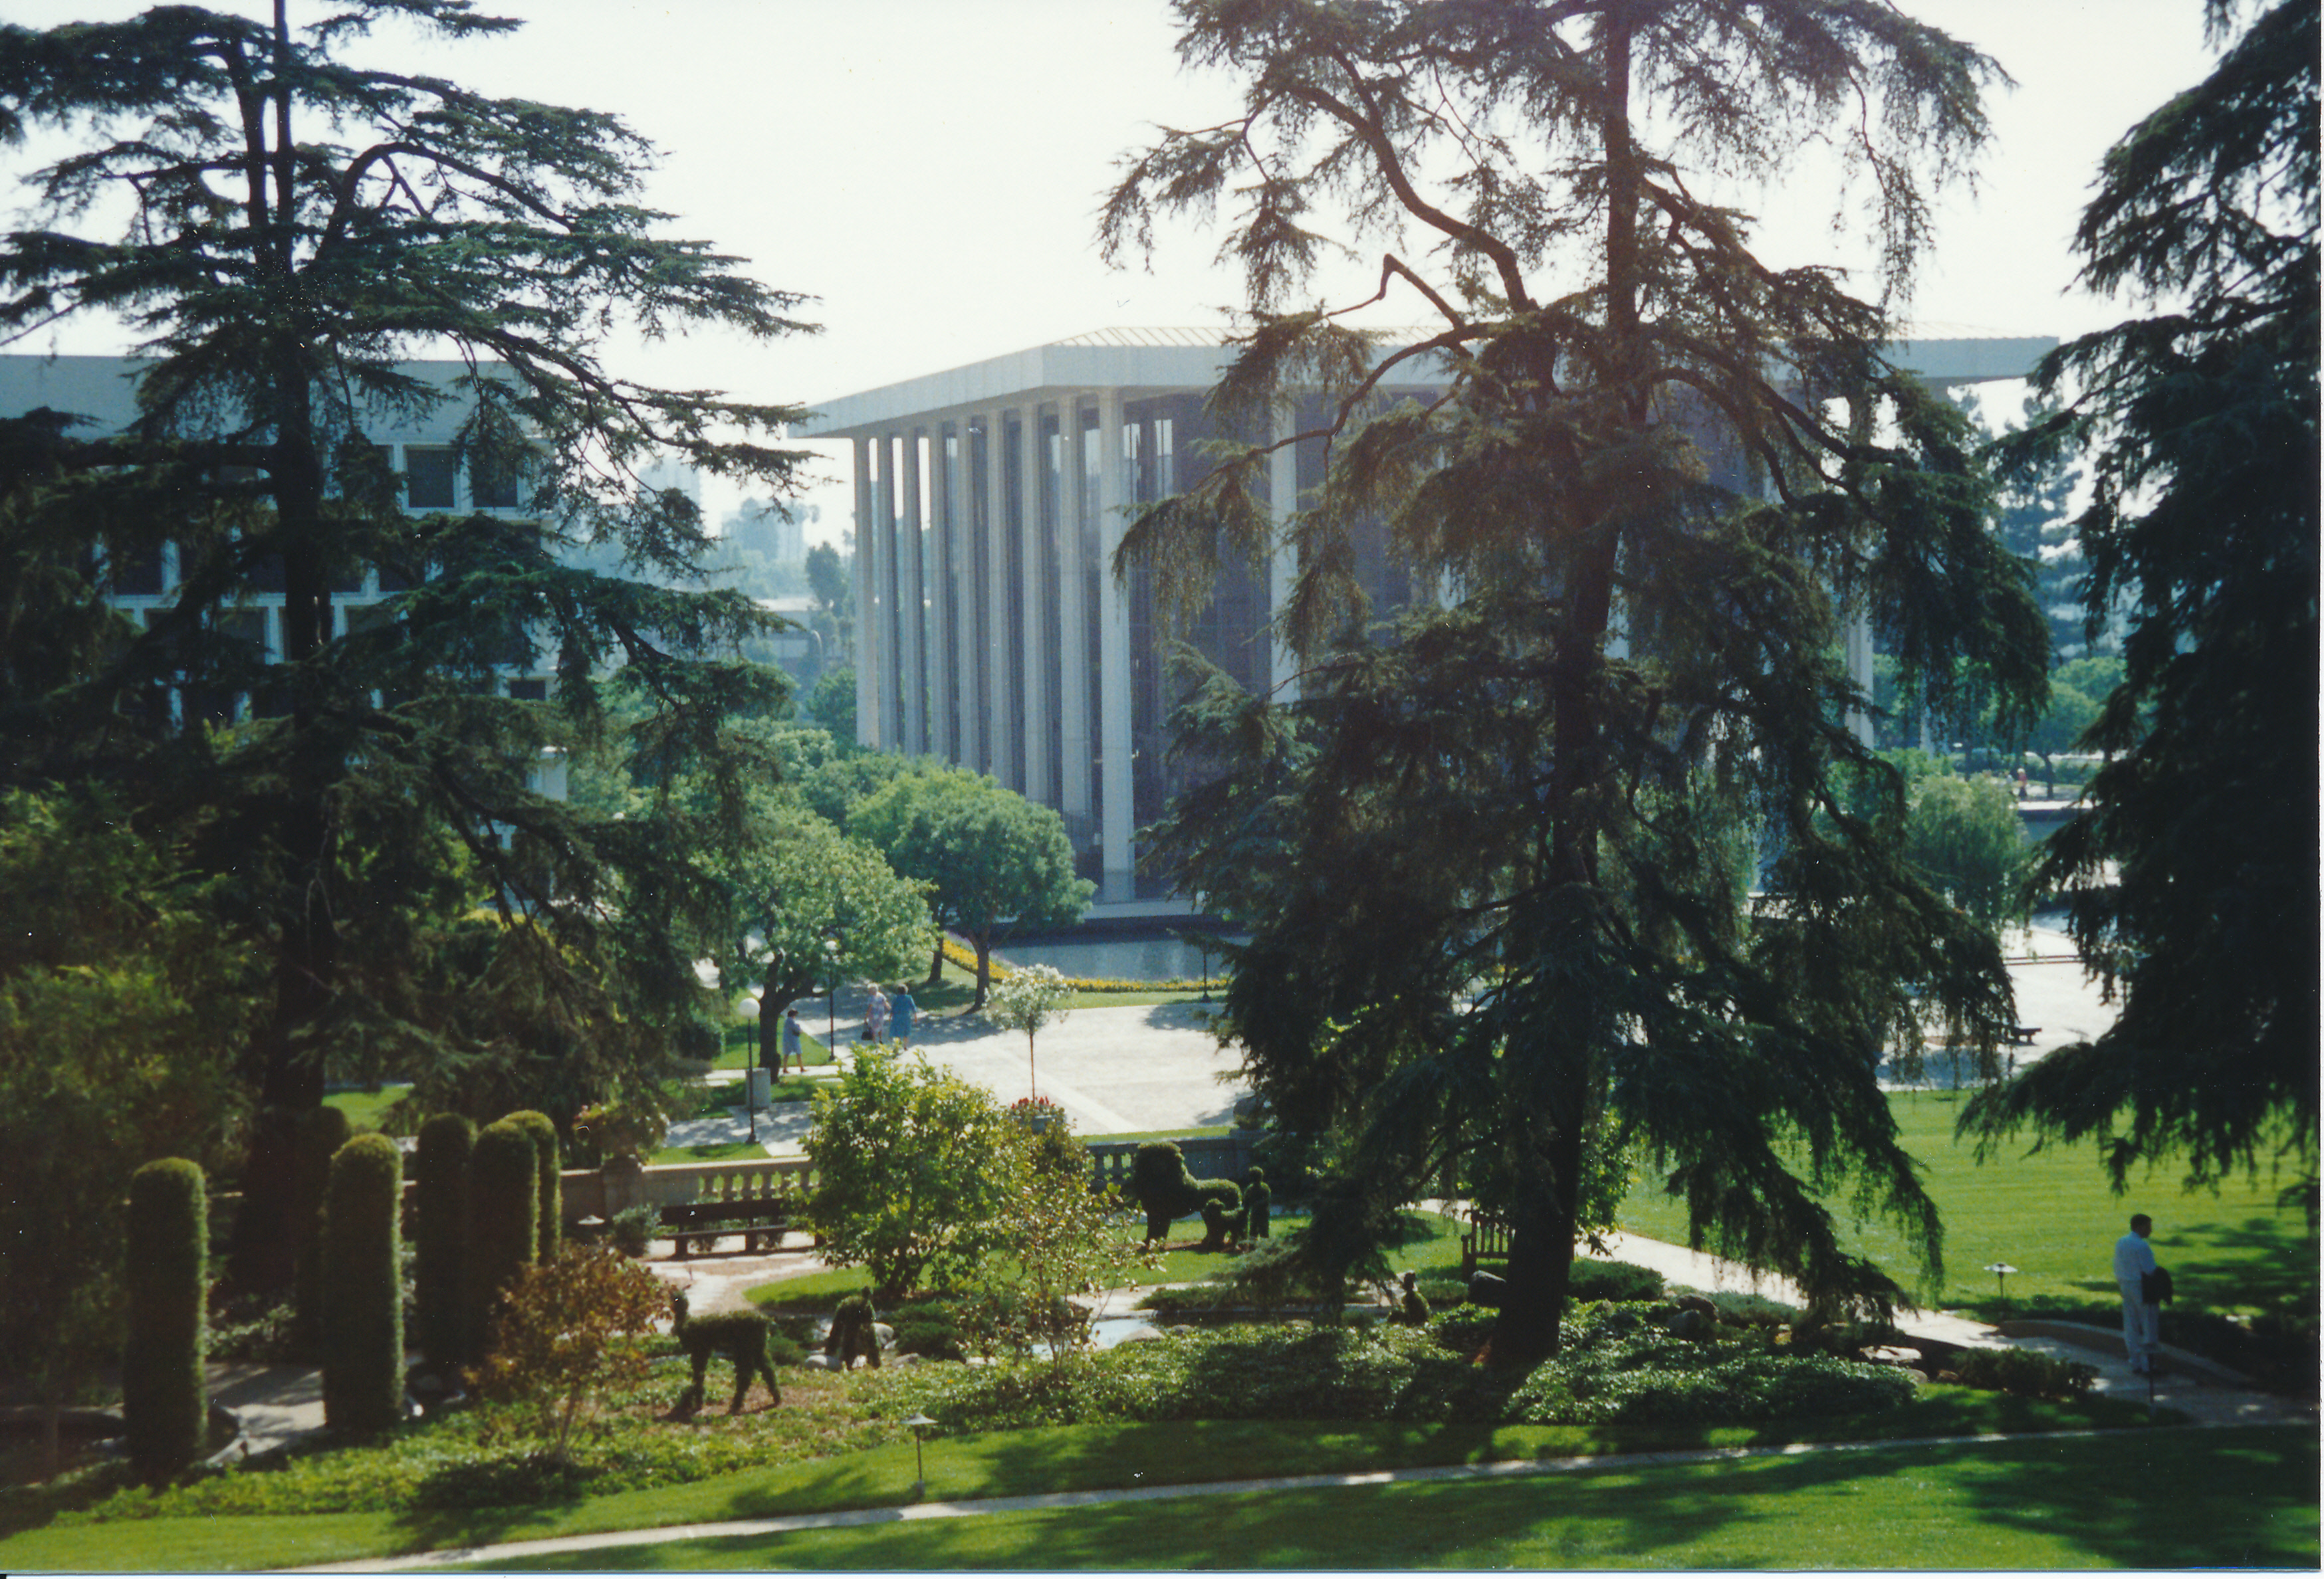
(1145, 363)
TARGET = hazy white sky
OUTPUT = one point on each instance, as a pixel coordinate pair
(930, 170)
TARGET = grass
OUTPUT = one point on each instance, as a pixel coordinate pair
(364, 1108)
(2247, 1498)
(1055, 1459)
(2052, 1215)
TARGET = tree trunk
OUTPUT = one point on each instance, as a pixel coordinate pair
(935, 967)
(984, 941)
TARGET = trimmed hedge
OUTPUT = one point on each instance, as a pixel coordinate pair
(551, 1191)
(1616, 1280)
(320, 1132)
(163, 1399)
(362, 1339)
(447, 1143)
(503, 1221)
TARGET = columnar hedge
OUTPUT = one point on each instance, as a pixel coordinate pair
(362, 1338)
(167, 1246)
(549, 1159)
(504, 1219)
(438, 1276)
(321, 1132)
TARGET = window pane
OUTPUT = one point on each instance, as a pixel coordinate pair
(428, 477)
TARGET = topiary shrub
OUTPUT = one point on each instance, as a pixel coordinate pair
(362, 1337)
(504, 1220)
(167, 1251)
(447, 1143)
(1257, 1205)
(550, 1198)
(851, 1334)
(1616, 1281)
(320, 1132)
(1160, 1183)
(742, 1335)
(633, 1229)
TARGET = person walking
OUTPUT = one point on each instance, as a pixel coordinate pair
(906, 1012)
(2133, 1265)
(875, 1013)
(794, 1049)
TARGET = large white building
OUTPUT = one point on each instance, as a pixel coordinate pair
(989, 502)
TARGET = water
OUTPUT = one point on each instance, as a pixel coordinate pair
(1109, 1330)
(1146, 958)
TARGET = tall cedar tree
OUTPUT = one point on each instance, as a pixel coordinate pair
(290, 225)
(1515, 892)
(2191, 875)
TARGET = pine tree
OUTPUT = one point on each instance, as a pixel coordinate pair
(2192, 878)
(1516, 908)
(294, 226)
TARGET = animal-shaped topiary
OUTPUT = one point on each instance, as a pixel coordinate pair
(851, 1333)
(1257, 1198)
(739, 1334)
(1160, 1182)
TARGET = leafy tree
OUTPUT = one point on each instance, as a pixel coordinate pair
(292, 225)
(2062, 726)
(1057, 1240)
(122, 1004)
(994, 861)
(2190, 878)
(832, 702)
(831, 580)
(1523, 849)
(1028, 1000)
(807, 905)
(1963, 838)
(914, 1169)
(569, 1330)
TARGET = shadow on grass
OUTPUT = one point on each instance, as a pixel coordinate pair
(476, 1503)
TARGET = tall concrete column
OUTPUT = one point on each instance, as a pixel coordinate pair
(867, 647)
(1073, 532)
(1859, 629)
(911, 601)
(884, 591)
(1003, 744)
(1118, 808)
(1283, 566)
(936, 483)
(961, 537)
(1040, 703)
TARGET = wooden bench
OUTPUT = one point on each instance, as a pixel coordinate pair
(2023, 1035)
(761, 1217)
(1485, 1239)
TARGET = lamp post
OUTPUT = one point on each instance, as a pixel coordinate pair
(2000, 1270)
(831, 999)
(919, 1424)
(750, 1076)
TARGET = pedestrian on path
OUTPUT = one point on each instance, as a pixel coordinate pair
(875, 1013)
(906, 1012)
(794, 1050)
(2133, 1265)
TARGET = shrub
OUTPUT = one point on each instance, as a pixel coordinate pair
(362, 1336)
(504, 1219)
(1257, 1205)
(1161, 1184)
(851, 1337)
(2025, 1371)
(618, 1129)
(446, 1141)
(321, 1132)
(550, 1199)
(567, 1330)
(1618, 1282)
(163, 1395)
(633, 1229)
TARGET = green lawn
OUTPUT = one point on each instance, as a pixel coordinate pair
(1019, 1462)
(2051, 1216)
(2241, 1497)
(364, 1108)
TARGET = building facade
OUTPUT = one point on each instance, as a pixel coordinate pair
(989, 500)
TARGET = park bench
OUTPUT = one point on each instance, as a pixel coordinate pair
(2023, 1035)
(1485, 1239)
(757, 1218)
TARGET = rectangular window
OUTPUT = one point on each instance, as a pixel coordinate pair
(493, 485)
(429, 475)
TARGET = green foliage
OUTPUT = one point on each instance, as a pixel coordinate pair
(281, 227)
(2190, 877)
(635, 1128)
(633, 1229)
(504, 1219)
(851, 1337)
(742, 1335)
(1057, 1240)
(1029, 1000)
(320, 1131)
(569, 1329)
(2025, 1371)
(910, 1163)
(1615, 1280)
(1964, 840)
(1164, 1188)
(832, 702)
(363, 1334)
(993, 860)
(1514, 836)
(447, 1143)
(548, 1195)
(122, 1003)
(164, 1397)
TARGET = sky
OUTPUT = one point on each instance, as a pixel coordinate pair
(929, 170)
